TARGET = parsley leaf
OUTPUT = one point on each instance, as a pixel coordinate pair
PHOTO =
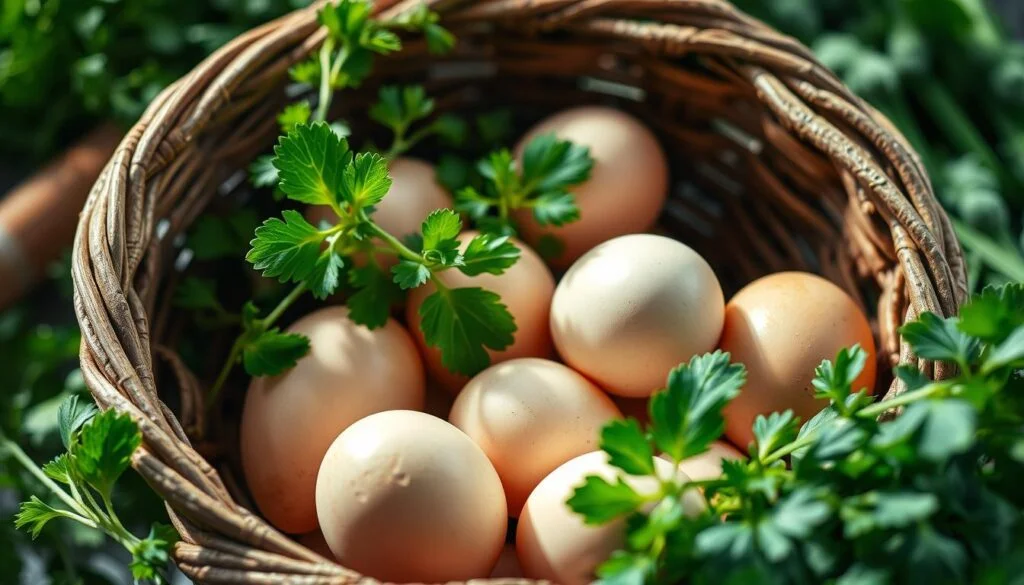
(371, 304)
(489, 253)
(310, 161)
(152, 553)
(687, 417)
(400, 107)
(773, 431)
(34, 515)
(555, 208)
(104, 449)
(410, 274)
(263, 173)
(934, 338)
(550, 164)
(464, 323)
(440, 237)
(72, 414)
(366, 181)
(287, 249)
(834, 380)
(272, 352)
(600, 501)
(325, 276)
(293, 115)
(627, 447)
(995, 313)
(1008, 353)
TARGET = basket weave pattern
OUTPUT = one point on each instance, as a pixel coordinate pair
(778, 166)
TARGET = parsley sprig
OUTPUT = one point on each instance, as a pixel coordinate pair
(99, 447)
(550, 167)
(930, 496)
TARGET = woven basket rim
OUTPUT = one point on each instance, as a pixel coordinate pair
(166, 169)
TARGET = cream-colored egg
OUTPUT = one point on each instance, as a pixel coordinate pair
(552, 541)
(627, 187)
(403, 496)
(289, 421)
(632, 309)
(525, 288)
(781, 327)
(413, 195)
(529, 416)
(708, 465)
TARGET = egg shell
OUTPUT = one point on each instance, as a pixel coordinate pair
(403, 496)
(525, 288)
(632, 309)
(413, 195)
(781, 327)
(529, 416)
(552, 541)
(289, 421)
(627, 187)
(708, 465)
(508, 565)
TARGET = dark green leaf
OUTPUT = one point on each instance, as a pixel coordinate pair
(995, 313)
(1008, 353)
(399, 107)
(834, 380)
(366, 181)
(800, 513)
(774, 431)
(325, 277)
(440, 237)
(104, 449)
(409, 274)
(494, 127)
(471, 202)
(600, 501)
(463, 323)
(687, 416)
(875, 511)
(311, 161)
(859, 574)
(451, 129)
(371, 304)
(454, 173)
(939, 339)
(72, 414)
(262, 172)
(489, 254)
(627, 447)
(287, 249)
(911, 376)
(825, 417)
(151, 555)
(60, 469)
(273, 352)
(555, 208)
(550, 164)
(439, 40)
(197, 294)
(731, 540)
(948, 428)
(935, 558)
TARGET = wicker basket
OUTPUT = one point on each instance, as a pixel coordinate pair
(776, 166)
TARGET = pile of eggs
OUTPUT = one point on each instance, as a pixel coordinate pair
(370, 452)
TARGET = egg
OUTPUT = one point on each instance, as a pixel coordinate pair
(708, 465)
(413, 195)
(529, 416)
(404, 497)
(627, 187)
(525, 288)
(552, 541)
(781, 327)
(508, 565)
(290, 420)
(632, 309)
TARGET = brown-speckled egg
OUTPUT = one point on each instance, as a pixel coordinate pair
(404, 497)
(289, 421)
(781, 327)
(413, 195)
(552, 541)
(632, 309)
(526, 290)
(626, 190)
(530, 416)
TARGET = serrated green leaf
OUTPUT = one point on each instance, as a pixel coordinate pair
(375, 294)
(440, 237)
(624, 568)
(687, 417)
(489, 254)
(773, 431)
(60, 469)
(834, 380)
(994, 314)
(551, 164)
(151, 555)
(600, 501)
(104, 449)
(439, 40)
(34, 515)
(197, 294)
(399, 107)
(272, 352)
(463, 323)
(555, 208)
(627, 447)
(287, 249)
(294, 114)
(934, 338)
(311, 161)
(471, 202)
(732, 540)
(500, 168)
(825, 417)
(262, 172)
(885, 510)
(382, 41)
(409, 275)
(307, 72)
(911, 376)
(325, 277)
(800, 513)
(74, 412)
(1008, 353)
(366, 180)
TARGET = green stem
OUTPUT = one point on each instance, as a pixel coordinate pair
(225, 371)
(324, 102)
(396, 244)
(26, 462)
(1004, 260)
(283, 306)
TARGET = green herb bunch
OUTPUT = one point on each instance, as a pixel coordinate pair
(81, 483)
(854, 496)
